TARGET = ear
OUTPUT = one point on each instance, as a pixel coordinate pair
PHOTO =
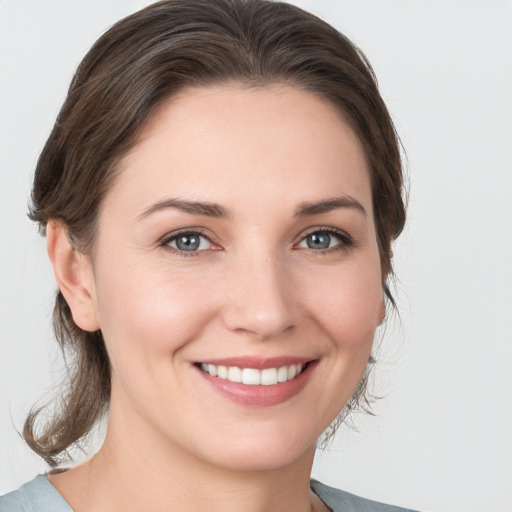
(74, 273)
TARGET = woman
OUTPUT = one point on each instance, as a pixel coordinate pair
(219, 194)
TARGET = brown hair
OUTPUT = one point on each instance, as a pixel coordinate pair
(136, 65)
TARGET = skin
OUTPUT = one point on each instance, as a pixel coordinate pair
(254, 288)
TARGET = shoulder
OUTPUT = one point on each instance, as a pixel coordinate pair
(38, 495)
(338, 500)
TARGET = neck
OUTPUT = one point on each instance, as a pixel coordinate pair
(137, 470)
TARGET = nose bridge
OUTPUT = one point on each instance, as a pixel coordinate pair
(259, 294)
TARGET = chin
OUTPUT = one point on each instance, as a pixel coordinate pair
(262, 451)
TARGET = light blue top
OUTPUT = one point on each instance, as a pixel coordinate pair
(39, 495)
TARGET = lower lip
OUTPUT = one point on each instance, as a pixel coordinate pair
(260, 396)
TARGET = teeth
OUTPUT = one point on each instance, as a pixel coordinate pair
(222, 372)
(269, 376)
(234, 374)
(252, 376)
(282, 374)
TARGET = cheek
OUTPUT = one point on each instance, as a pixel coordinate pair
(149, 314)
(348, 303)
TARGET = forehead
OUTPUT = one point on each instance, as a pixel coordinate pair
(225, 143)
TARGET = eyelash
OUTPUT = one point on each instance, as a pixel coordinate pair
(346, 242)
(166, 240)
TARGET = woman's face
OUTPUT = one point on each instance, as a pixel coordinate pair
(238, 243)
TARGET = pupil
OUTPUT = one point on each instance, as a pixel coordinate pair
(187, 242)
(319, 241)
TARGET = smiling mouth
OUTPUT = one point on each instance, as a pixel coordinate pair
(253, 376)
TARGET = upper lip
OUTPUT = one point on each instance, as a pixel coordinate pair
(259, 363)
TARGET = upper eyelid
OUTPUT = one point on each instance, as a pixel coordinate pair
(168, 237)
(172, 235)
(166, 240)
(323, 229)
(346, 242)
(165, 243)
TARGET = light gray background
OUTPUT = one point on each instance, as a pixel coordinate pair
(441, 440)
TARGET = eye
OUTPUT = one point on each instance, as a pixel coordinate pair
(189, 241)
(325, 239)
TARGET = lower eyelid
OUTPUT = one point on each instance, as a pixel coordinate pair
(172, 237)
(344, 241)
(339, 235)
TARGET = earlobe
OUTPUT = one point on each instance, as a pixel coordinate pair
(74, 274)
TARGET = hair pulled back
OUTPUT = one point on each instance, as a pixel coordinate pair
(137, 64)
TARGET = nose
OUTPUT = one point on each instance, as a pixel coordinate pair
(259, 298)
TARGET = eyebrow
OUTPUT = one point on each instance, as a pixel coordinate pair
(306, 209)
(217, 211)
(192, 207)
